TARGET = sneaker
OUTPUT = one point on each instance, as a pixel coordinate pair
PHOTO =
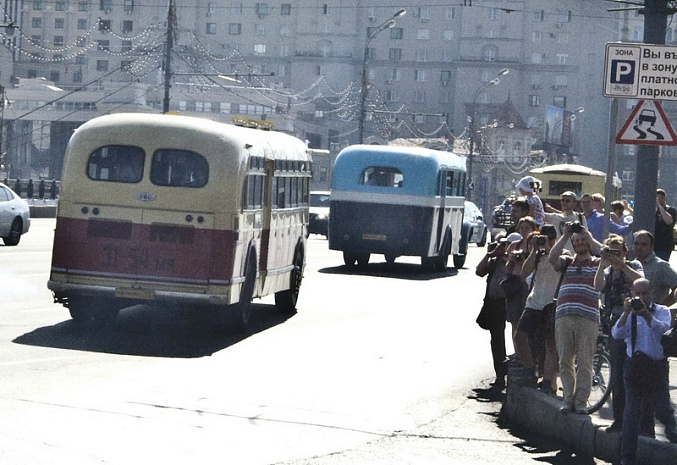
(615, 427)
(499, 383)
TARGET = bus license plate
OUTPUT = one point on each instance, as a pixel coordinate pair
(374, 237)
(128, 293)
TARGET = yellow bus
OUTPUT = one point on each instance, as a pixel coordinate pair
(579, 179)
(166, 208)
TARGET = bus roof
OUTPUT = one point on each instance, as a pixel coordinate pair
(283, 145)
(567, 169)
(418, 165)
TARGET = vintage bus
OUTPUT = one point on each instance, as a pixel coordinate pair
(165, 208)
(397, 201)
(579, 179)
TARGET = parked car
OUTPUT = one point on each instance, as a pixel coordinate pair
(15, 217)
(473, 223)
(318, 220)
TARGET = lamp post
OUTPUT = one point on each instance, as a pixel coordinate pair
(471, 120)
(552, 133)
(364, 87)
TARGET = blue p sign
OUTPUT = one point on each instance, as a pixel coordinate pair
(623, 71)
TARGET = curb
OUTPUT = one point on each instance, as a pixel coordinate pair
(539, 413)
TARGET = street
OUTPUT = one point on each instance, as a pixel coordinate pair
(383, 365)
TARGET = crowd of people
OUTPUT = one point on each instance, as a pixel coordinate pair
(554, 276)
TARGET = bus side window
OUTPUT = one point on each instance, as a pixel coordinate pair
(116, 163)
(450, 184)
(382, 176)
(179, 168)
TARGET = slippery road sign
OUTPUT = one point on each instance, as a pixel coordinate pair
(647, 125)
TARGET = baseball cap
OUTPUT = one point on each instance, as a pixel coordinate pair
(528, 183)
(569, 194)
(513, 237)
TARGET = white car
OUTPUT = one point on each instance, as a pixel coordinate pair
(318, 221)
(473, 220)
(15, 217)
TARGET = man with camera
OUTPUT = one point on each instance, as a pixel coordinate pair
(614, 279)
(641, 326)
(595, 220)
(535, 336)
(576, 315)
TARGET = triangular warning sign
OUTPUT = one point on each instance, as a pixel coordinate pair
(647, 125)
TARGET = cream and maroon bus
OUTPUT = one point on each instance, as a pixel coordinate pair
(167, 208)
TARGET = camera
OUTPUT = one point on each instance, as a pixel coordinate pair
(541, 241)
(636, 304)
(576, 227)
(518, 254)
(615, 252)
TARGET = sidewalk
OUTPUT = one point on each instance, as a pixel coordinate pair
(539, 413)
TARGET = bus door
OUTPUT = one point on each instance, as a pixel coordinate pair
(441, 190)
(266, 212)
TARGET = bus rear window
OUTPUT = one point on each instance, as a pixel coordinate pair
(383, 176)
(116, 163)
(179, 168)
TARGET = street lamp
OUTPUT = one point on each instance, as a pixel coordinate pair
(363, 91)
(471, 120)
(552, 133)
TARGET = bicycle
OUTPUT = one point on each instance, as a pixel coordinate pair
(602, 369)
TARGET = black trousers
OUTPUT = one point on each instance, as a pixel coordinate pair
(497, 330)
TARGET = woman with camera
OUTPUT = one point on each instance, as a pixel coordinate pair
(614, 279)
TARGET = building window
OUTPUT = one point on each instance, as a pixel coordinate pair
(445, 76)
(489, 53)
(419, 75)
(129, 6)
(448, 55)
(102, 65)
(235, 29)
(77, 75)
(126, 46)
(285, 30)
(59, 23)
(37, 5)
(59, 6)
(127, 26)
(392, 75)
(260, 49)
(395, 54)
(82, 24)
(58, 41)
(539, 15)
(534, 100)
(284, 50)
(81, 41)
(285, 9)
(449, 12)
(423, 34)
(560, 101)
(419, 96)
(54, 76)
(105, 5)
(562, 58)
(325, 9)
(261, 9)
(421, 55)
(561, 80)
(563, 37)
(564, 17)
(36, 22)
(391, 95)
(211, 28)
(103, 45)
(260, 29)
(536, 36)
(536, 58)
(448, 34)
(83, 6)
(493, 13)
(104, 25)
(370, 53)
(396, 33)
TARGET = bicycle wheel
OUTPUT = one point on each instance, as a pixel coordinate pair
(601, 381)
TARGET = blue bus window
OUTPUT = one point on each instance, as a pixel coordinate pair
(382, 176)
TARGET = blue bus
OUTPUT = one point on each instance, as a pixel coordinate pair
(397, 201)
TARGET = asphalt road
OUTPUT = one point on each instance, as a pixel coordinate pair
(379, 366)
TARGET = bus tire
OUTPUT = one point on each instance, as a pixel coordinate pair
(92, 313)
(363, 259)
(285, 301)
(244, 306)
(459, 260)
(349, 258)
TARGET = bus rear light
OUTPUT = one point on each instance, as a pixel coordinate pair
(95, 210)
(200, 219)
(84, 210)
(189, 218)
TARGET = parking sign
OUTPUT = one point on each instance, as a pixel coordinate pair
(640, 71)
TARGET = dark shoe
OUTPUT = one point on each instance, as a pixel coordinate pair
(499, 383)
(671, 434)
(615, 427)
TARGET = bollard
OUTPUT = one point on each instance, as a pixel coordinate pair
(53, 193)
(41, 189)
(29, 189)
(17, 187)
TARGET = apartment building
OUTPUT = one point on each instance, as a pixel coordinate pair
(299, 64)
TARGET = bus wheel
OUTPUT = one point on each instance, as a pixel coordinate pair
(285, 301)
(459, 261)
(363, 259)
(349, 258)
(244, 306)
(91, 313)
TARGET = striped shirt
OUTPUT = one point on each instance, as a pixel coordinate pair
(577, 295)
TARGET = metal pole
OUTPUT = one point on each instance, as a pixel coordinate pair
(171, 18)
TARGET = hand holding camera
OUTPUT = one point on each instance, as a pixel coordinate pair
(574, 227)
